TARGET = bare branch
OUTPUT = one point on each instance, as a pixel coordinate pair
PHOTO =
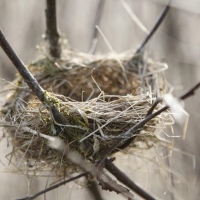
(154, 29)
(127, 181)
(190, 92)
(54, 186)
(94, 190)
(94, 40)
(27, 76)
(51, 32)
(24, 72)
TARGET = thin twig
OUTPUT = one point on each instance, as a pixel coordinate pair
(54, 186)
(154, 29)
(51, 29)
(154, 106)
(190, 92)
(127, 181)
(94, 40)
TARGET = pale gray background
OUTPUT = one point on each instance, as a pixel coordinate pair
(177, 42)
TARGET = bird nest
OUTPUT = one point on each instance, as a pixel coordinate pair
(100, 97)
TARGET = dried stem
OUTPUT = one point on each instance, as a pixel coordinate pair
(51, 32)
(54, 186)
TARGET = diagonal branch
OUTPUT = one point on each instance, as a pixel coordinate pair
(28, 77)
(54, 186)
(51, 29)
(24, 72)
(123, 178)
(154, 29)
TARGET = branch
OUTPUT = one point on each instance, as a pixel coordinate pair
(190, 92)
(94, 40)
(126, 181)
(27, 76)
(108, 184)
(94, 190)
(54, 186)
(51, 32)
(24, 72)
(154, 29)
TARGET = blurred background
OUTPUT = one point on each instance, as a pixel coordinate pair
(177, 42)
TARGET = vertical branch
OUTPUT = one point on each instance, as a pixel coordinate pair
(94, 40)
(52, 35)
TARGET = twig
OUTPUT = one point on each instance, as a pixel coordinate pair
(24, 72)
(94, 40)
(126, 181)
(54, 186)
(154, 106)
(51, 29)
(154, 29)
(190, 92)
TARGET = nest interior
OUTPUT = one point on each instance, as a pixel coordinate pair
(101, 97)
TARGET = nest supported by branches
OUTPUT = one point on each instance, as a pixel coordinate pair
(100, 97)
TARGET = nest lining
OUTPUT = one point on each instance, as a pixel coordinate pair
(101, 97)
